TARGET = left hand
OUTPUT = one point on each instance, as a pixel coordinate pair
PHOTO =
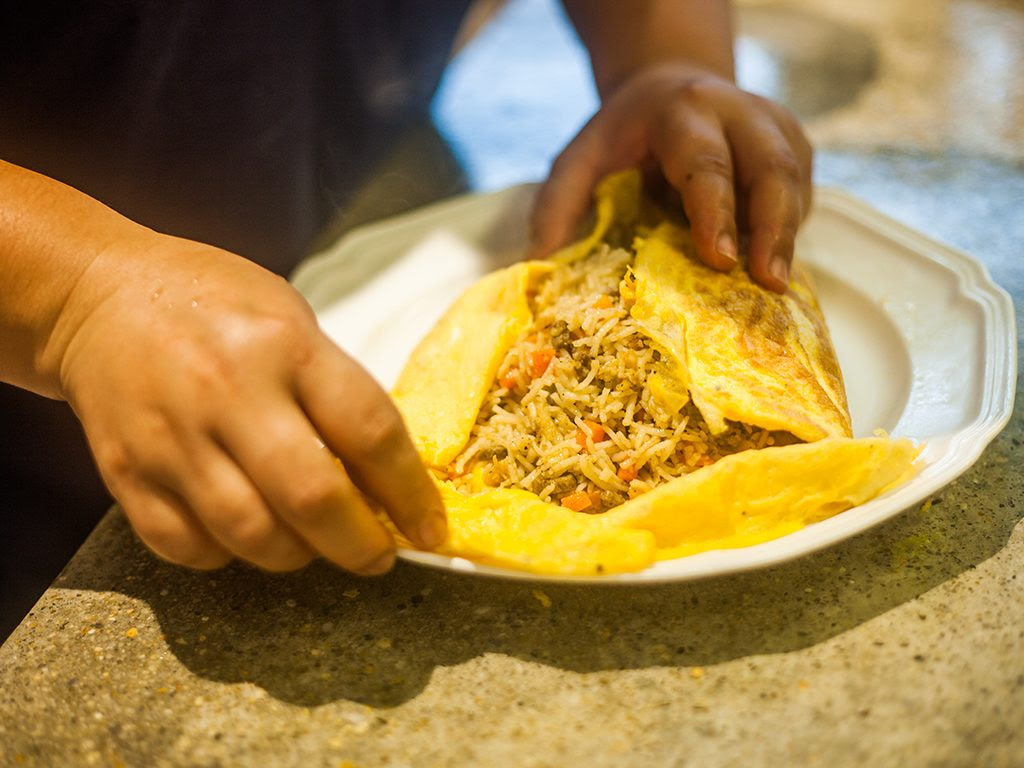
(226, 423)
(739, 161)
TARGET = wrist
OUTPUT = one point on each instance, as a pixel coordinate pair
(50, 236)
(87, 300)
(679, 69)
(626, 38)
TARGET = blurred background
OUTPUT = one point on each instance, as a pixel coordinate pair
(926, 76)
(916, 106)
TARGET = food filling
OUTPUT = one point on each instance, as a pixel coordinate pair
(576, 414)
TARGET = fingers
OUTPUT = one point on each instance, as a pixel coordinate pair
(207, 442)
(361, 424)
(610, 141)
(801, 149)
(235, 514)
(773, 224)
(738, 161)
(261, 487)
(566, 195)
(777, 186)
(215, 514)
(309, 491)
(168, 528)
(304, 505)
(696, 159)
(706, 155)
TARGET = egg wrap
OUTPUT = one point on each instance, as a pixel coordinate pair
(730, 351)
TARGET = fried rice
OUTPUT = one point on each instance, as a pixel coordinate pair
(571, 415)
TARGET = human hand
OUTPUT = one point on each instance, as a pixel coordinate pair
(741, 163)
(215, 407)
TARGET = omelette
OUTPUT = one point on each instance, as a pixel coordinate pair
(621, 403)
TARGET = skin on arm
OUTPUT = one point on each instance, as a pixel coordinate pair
(221, 418)
(741, 163)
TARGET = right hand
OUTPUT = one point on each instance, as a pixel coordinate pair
(739, 162)
(215, 408)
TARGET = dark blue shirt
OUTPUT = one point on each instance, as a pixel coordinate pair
(242, 123)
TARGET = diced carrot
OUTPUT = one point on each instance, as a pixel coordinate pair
(540, 360)
(509, 380)
(593, 430)
(577, 501)
(602, 302)
(627, 473)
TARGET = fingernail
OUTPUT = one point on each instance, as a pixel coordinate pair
(726, 247)
(381, 565)
(433, 531)
(779, 269)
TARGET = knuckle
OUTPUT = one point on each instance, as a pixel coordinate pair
(167, 532)
(248, 533)
(382, 433)
(778, 235)
(784, 165)
(114, 463)
(313, 499)
(249, 530)
(783, 243)
(283, 335)
(264, 543)
(779, 112)
(144, 453)
(278, 446)
(699, 90)
(710, 162)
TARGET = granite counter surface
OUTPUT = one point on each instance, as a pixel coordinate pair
(901, 647)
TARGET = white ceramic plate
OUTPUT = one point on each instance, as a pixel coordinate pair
(924, 337)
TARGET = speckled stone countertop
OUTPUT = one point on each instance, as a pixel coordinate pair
(901, 647)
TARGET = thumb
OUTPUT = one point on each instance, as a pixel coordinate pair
(566, 195)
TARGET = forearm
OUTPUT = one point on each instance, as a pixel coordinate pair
(623, 37)
(50, 235)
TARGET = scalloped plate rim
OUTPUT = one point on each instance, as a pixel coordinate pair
(354, 252)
